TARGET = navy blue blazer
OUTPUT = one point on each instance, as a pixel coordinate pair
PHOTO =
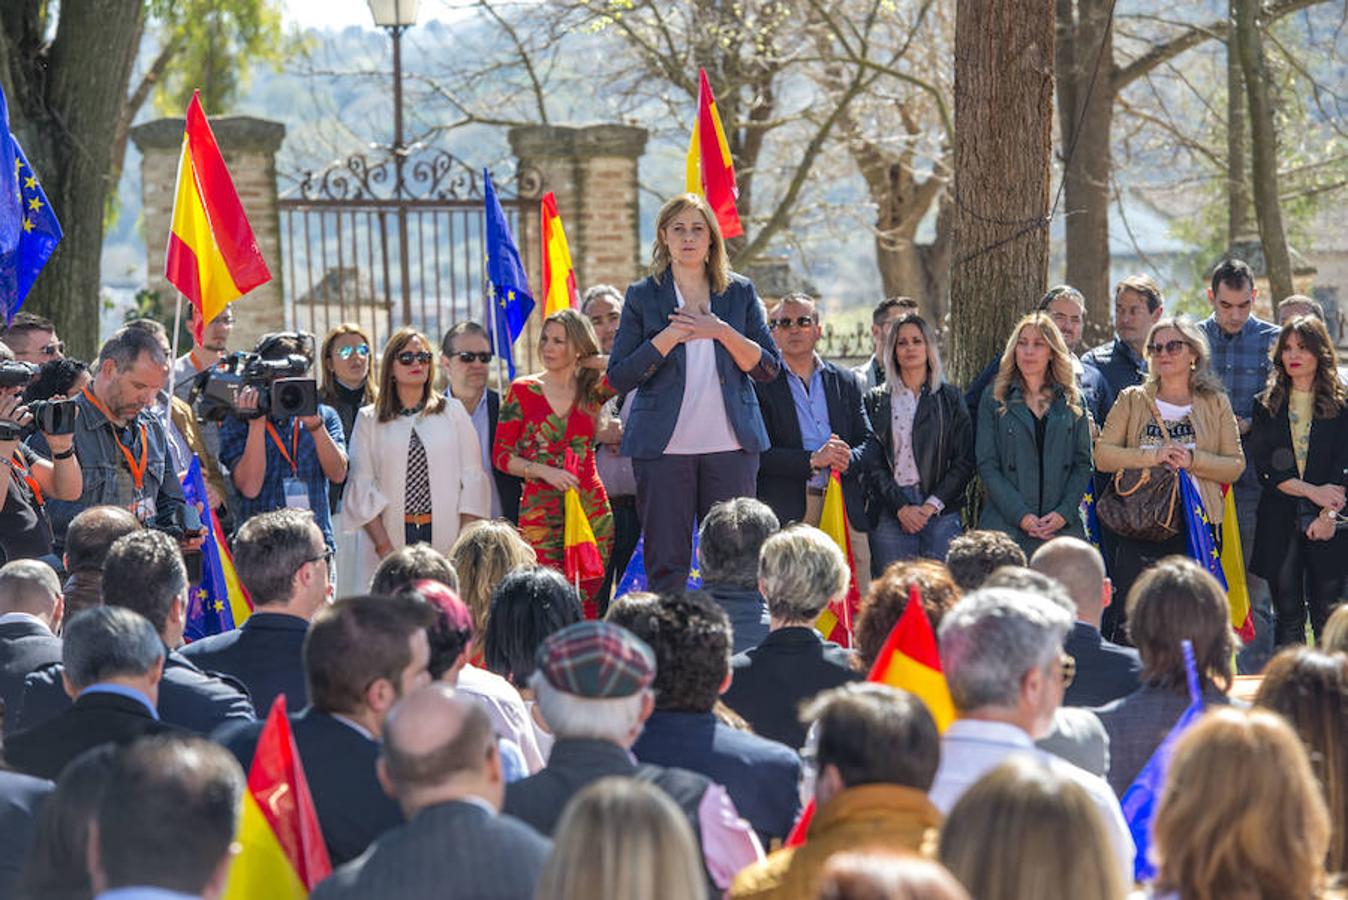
(265, 653)
(21, 799)
(25, 646)
(636, 364)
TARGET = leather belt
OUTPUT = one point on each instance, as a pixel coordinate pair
(814, 491)
(418, 520)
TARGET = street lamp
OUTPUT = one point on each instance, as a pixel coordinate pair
(396, 16)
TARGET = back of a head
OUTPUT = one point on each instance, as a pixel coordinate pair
(621, 837)
(144, 572)
(170, 791)
(875, 734)
(800, 569)
(483, 554)
(526, 607)
(730, 539)
(108, 642)
(975, 555)
(412, 563)
(357, 641)
(1078, 567)
(28, 586)
(992, 637)
(433, 736)
(1265, 838)
(878, 875)
(1335, 636)
(888, 596)
(62, 832)
(1172, 601)
(1023, 831)
(269, 549)
(93, 532)
(452, 633)
(1020, 578)
(690, 635)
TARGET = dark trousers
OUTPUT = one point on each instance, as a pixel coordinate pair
(1132, 557)
(673, 491)
(1299, 585)
(417, 534)
(626, 532)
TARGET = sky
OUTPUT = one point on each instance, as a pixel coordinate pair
(344, 13)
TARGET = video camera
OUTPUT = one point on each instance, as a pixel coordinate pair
(49, 416)
(277, 375)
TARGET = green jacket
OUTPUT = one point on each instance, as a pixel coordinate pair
(1008, 464)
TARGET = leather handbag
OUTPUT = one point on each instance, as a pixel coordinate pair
(1142, 504)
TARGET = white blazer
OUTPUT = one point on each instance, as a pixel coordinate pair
(377, 482)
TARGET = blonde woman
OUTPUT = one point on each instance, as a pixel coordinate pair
(416, 469)
(482, 555)
(1023, 831)
(622, 837)
(1034, 439)
(1201, 436)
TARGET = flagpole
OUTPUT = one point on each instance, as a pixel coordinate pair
(177, 326)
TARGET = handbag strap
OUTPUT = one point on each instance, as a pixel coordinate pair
(1156, 417)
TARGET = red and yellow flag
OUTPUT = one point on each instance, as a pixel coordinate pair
(581, 560)
(1233, 567)
(835, 622)
(710, 170)
(282, 853)
(559, 277)
(909, 659)
(212, 256)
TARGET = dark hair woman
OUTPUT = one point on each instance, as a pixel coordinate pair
(1298, 443)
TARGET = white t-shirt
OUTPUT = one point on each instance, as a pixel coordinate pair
(1178, 425)
(702, 426)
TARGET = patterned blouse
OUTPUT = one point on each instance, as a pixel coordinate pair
(418, 498)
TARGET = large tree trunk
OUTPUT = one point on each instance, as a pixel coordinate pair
(1085, 54)
(1237, 151)
(1264, 151)
(1003, 125)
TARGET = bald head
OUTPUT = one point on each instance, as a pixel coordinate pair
(439, 746)
(29, 586)
(1078, 567)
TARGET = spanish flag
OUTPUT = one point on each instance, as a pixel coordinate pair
(559, 277)
(212, 256)
(1233, 567)
(581, 560)
(710, 170)
(282, 855)
(835, 622)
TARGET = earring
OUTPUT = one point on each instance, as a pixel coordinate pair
(1193, 366)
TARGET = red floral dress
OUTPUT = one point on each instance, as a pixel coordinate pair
(528, 428)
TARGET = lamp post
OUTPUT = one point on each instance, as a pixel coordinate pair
(395, 17)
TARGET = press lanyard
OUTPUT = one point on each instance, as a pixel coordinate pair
(21, 471)
(137, 469)
(294, 446)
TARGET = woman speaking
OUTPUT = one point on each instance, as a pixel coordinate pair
(692, 336)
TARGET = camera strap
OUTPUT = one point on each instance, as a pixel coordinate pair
(21, 471)
(137, 469)
(294, 453)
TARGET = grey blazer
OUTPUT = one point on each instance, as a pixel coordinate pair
(451, 851)
(1137, 724)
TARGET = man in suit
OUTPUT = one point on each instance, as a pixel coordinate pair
(690, 636)
(817, 426)
(799, 571)
(113, 664)
(166, 822)
(728, 543)
(1104, 670)
(144, 572)
(440, 761)
(360, 656)
(466, 355)
(282, 561)
(21, 799)
(30, 612)
(593, 688)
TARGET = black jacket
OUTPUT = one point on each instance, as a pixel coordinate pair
(189, 698)
(1105, 671)
(21, 799)
(98, 718)
(264, 653)
(339, 763)
(508, 487)
(25, 645)
(943, 448)
(784, 467)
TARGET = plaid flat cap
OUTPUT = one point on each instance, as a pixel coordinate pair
(596, 660)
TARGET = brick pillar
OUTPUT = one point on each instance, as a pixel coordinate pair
(249, 146)
(593, 171)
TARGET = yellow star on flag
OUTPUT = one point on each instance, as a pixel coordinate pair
(27, 224)
(35, 204)
(30, 182)
(219, 606)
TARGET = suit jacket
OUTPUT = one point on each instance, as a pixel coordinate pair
(189, 698)
(747, 611)
(1105, 671)
(339, 763)
(264, 654)
(508, 487)
(97, 718)
(450, 851)
(784, 468)
(1137, 724)
(1079, 738)
(25, 645)
(21, 799)
(635, 364)
(771, 680)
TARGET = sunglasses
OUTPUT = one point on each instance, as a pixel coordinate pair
(466, 356)
(53, 348)
(1167, 347)
(801, 321)
(407, 357)
(361, 350)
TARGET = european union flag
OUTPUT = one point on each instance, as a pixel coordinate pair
(29, 231)
(1198, 528)
(634, 576)
(208, 608)
(507, 285)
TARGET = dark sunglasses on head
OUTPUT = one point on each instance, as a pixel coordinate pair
(467, 356)
(53, 348)
(361, 350)
(1167, 347)
(407, 357)
(802, 321)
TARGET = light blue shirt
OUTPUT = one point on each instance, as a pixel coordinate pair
(812, 414)
(122, 691)
(144, 892)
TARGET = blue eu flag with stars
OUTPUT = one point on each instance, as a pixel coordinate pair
(29, 231)
(1201, 546)
(507, 285)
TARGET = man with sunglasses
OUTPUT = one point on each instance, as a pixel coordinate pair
(33, 339)
(466, 356)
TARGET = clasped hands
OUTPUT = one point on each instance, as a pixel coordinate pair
(1330, 499)
(834, 454)
(1042, 528)
(690, 325)
(1174, 456)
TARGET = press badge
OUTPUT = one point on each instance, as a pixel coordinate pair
(144, 510)
(297, 493)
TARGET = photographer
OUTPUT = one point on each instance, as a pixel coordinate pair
(288, 461)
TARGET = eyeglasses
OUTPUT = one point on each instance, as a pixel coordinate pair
(52, 349)
(1168, 347)
(326, 557)
(361, 350)
(466, 356)
(407, 357)
(1068, 667)
(800, 321)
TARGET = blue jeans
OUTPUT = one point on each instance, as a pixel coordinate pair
(890, 543)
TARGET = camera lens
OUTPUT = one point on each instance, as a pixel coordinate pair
(291, 397)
